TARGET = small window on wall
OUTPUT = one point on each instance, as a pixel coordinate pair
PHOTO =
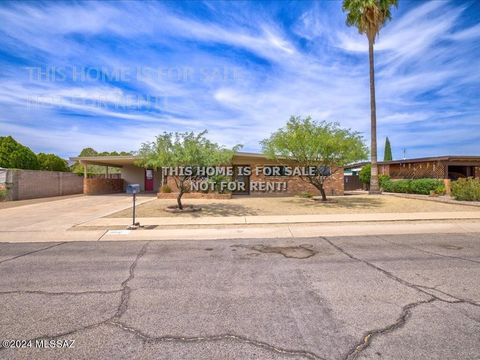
(149, 174)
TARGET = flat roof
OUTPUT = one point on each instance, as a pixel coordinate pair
(117, 161)
(123, 160)
(465, 158)
(433, 158)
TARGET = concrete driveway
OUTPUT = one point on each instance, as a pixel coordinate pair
(371, 297)
(63, 214)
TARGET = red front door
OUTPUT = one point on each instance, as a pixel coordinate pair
(148, 180)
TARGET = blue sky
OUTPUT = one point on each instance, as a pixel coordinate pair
(112, 75)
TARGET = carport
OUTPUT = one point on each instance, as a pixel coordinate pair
(130, 173)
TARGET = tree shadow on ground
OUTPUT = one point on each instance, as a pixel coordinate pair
(341, 203)
(222, 209)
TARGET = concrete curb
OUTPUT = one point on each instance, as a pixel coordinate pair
(284, 219)
(291, 231)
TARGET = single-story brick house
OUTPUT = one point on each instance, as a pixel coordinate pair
(150, 180)
(437, 167)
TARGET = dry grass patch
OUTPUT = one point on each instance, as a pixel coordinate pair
(245, 206)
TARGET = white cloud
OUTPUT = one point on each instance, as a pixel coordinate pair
(424, 65)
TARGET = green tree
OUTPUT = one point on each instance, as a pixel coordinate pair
(16, 156)
(77, 168)
(368, 16)
(114, 153)
(365, 174)
(323, 145)
(387, 154)
(188, 150)
(52, 162)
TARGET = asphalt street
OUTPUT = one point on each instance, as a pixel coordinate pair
(371, 297)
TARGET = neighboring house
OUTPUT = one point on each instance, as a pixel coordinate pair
(351, 179)
(353, 170)
(150, 180)
(437, 167)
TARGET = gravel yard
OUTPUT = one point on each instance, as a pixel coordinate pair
(243, 206)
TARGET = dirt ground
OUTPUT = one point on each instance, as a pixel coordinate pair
(243, 206)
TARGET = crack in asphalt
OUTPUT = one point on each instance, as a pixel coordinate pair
(32, 252)
(406, 310)
(126, 290)
(211, 338)
(427, 251)
(456, 301)
(122, 307)
(42, 292)
(401, 321)
(61, 335)
(402, 281)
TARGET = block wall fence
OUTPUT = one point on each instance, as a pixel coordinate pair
(31, 184)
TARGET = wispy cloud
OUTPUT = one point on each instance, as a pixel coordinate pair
(129, 70)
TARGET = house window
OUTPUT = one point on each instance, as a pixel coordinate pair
(149, 174)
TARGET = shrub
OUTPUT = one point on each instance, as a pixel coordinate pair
(424, 186)
(217, 180)
(402, 186)
(305, 194)
(165, 189)
(387, 185)
(383, 179)
(3, 194)
(365, 174)
(466, 189)
(417, 186)
(440, 190)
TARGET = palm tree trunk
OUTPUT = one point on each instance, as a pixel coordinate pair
(374, 187)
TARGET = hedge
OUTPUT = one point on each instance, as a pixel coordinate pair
(466, 189)
(417, 186)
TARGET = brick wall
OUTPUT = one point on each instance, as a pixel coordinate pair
(31, 184)
(96, 186)
(295, 185)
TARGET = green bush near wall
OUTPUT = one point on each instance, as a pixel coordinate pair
(416, 186)
(365, 174)
(466, 189)
(3, 194)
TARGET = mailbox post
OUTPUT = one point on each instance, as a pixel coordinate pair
(133, 189)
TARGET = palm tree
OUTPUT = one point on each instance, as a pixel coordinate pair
(368, 16)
